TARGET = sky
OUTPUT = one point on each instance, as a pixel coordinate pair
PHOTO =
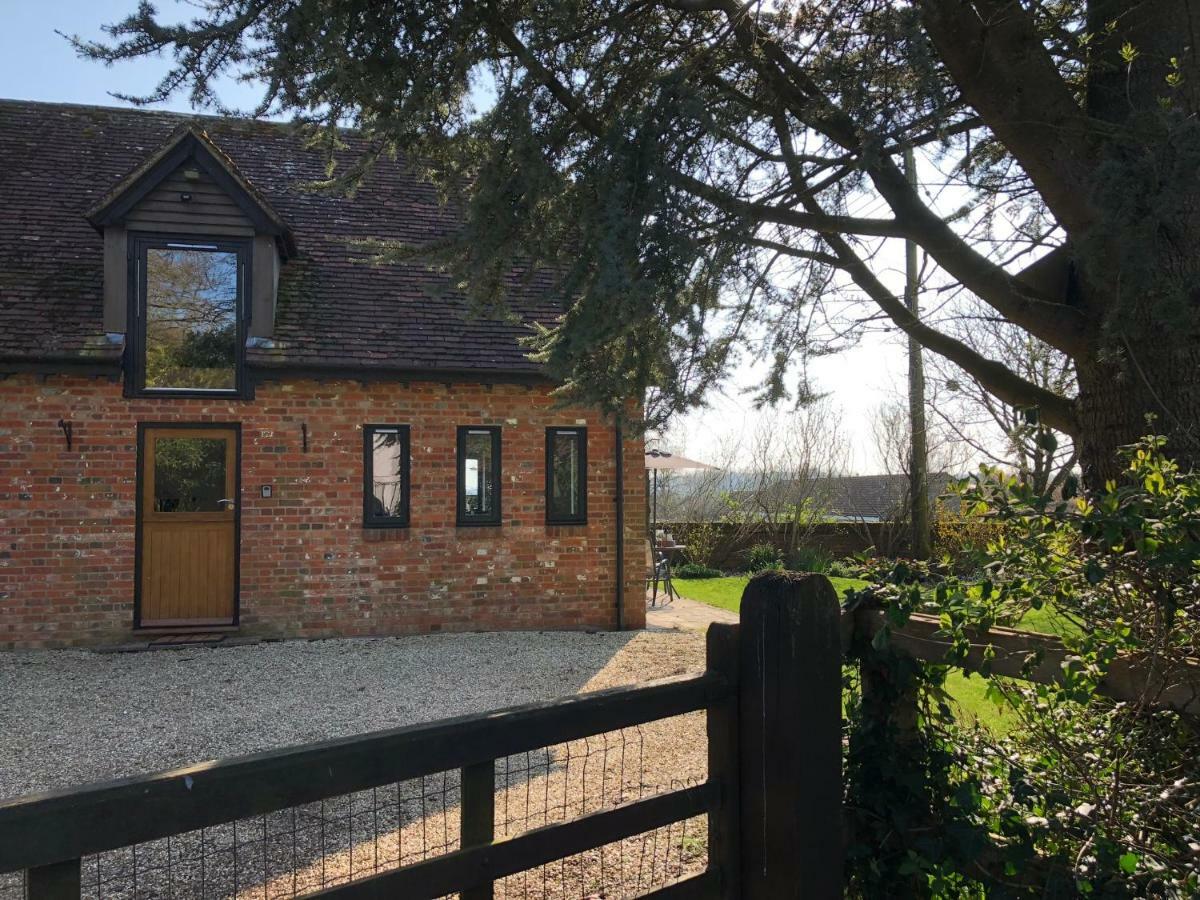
(36, 63)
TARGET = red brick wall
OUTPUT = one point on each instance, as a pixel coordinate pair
(308, 567)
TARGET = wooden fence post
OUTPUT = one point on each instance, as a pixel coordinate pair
(724, 830)
(477, 811)
(889, 696)
(790, 684)
(58, 881)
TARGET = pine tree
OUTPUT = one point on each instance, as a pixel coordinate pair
(669, 160)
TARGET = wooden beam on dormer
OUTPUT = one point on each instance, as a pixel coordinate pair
(264, 286)
(116, 280)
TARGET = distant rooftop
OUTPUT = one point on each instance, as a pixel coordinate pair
(871, 498)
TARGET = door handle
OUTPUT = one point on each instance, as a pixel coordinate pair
(232, 503)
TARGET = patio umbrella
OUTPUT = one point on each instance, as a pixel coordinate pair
(661, 459)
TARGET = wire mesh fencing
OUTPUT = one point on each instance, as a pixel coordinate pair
(571, 780)
(303, 849)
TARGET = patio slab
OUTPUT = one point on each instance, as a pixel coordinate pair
(686, 615)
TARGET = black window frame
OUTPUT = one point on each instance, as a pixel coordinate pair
(370, 518)
(579, 518)
(462, 518)
(139, 243)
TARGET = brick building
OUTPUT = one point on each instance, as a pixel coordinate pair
(214, 413)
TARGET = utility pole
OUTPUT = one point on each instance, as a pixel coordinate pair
(918, 469)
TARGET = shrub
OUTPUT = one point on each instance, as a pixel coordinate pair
(763, 556)
(695, 570)
(699, 542)
(810, 559)
(845, 568)
(962, 536)
(1084, 796)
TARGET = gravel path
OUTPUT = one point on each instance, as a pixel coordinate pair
(68, 717)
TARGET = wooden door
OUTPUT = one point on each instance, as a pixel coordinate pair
(188, 546)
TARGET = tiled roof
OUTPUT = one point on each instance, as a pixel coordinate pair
(334, 310)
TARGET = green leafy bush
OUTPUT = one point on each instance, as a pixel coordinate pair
(845, 568)
(695, 570)
(763, 556)
(1085, 796)
(699, 542)
(961, 535)
(810, 559)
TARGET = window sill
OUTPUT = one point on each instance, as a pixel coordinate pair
(183, 394)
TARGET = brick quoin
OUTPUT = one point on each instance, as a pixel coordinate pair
(308, 567)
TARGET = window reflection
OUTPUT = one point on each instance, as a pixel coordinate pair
(564, 485)
(189, 474)
(387, 474)
(478, 487)
(566, 493)
(191, 313)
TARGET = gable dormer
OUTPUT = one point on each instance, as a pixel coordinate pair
(191, 267)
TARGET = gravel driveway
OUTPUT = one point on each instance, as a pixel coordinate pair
(69, 717)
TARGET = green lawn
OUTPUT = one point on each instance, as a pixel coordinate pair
(727, 592)
(967, 691)
(1048, 620)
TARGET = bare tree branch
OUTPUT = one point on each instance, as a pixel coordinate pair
(1057, 411)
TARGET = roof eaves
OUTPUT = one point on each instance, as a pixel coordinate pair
(270, 369)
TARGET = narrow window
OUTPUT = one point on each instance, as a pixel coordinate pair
(385, 476)
(478, 475)
(566, 476)
(190, 316)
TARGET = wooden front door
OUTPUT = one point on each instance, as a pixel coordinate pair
(188, 541)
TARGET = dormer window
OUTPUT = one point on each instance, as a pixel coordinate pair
(190, 302)
(192, 252)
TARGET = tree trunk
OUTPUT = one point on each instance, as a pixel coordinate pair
(1138, 269)
(918, 473)
(1118, 390)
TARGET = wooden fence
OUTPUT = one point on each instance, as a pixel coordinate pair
(772, 795)
(1038, 658)
(772, 798)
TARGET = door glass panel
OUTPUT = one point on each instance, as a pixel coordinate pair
(189, 474)
(191, 318)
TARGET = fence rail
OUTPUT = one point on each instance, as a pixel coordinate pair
(56, 827)
(1037, 658)
(49, 834)
(473, 867)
